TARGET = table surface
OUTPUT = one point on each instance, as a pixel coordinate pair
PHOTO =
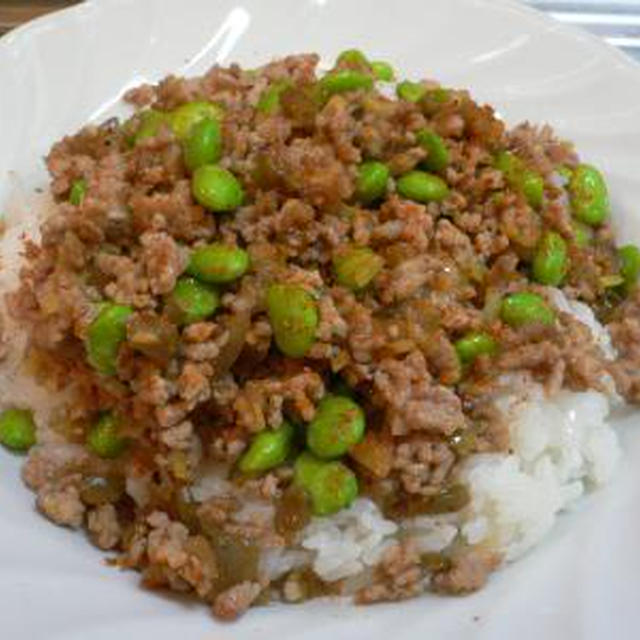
(618, 21)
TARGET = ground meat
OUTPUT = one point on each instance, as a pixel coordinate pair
(164, 261)
(170, 548)
(178, 437)
(235, 601)
(61, 503)
(414, 402)
(423, 466)
(49, 462)
(625, 332)
(469, 571)
(103, 526)
(259, 404)
(398, 576)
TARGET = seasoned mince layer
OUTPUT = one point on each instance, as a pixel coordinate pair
(319, 334)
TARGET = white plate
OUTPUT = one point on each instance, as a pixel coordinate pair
(63, 70)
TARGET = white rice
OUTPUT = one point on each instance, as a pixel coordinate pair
(349, 541)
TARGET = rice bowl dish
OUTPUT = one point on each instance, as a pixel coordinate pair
(367, 318)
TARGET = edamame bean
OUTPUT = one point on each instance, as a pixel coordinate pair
(269, 101)
(216, 188)
(357, 267)
(353, 57)
(518, 177)
(203, 144)
(105, 335)
(582, 234)
(186, 115)
(433, 100)
(268, 449)
(475, 344)
(334, 487)
(532, 185)
(149, 124)
(78, 192)
(218, 263)
(589, 196)
(192, 301)
(330, 485)
(305, 468)
(344, 80)
(520, 309)
(339, 423)
(629, 256)
(438, 153)
(551, 261)
(372, 181)
(422, 187)
(383, 71)
(17, 429)
(294, 318)
(104, 438)
(410, 91)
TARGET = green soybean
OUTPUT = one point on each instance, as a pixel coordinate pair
(17, 429)
(357, 267)
(105, 335)
(410, 91)
(518, 177)
(149, 124)
(475, 344)
(267, 450)
(269, 101)
(551, 262)
(186, 115)
(218, 263)
(353, 57)
(371, 184)
(203, 144)
(438, 153)
(305, 468)
(339, 423)
(521, 309)
(582, 234)
(383, 71)
(588, 195)
(344, 80)
(333, 487)
(216, 188)
(293, 314)
(422, 187)
(193, 301)
(78, 192)
(433, 100)
(532, 185)
(629, 257)
(104, 437)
